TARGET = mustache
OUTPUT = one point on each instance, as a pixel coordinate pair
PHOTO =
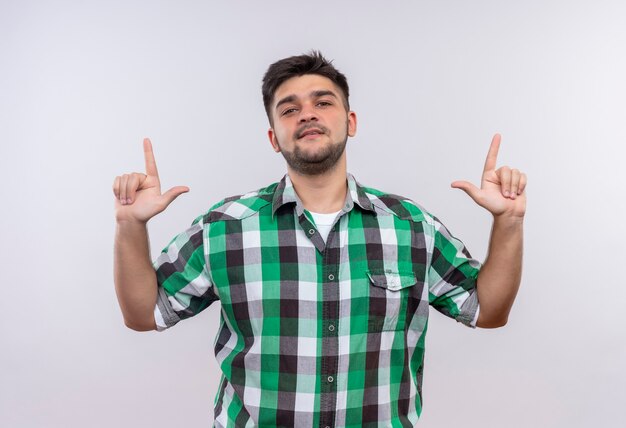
(306, 127)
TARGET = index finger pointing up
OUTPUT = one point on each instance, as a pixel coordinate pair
(151, 168)
(492, 156)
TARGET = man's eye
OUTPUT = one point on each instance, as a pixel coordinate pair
(324, 103)
(288, 111)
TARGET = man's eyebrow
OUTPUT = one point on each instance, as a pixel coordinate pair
(287, 99)
(323, 93)
(314, 94)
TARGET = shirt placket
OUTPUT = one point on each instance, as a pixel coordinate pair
(330, 318)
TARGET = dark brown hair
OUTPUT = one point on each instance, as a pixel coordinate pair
(294, 66)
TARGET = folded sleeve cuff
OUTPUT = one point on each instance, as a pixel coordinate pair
(164, 315)
(469, 311)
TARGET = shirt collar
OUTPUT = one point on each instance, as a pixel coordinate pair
(285, 194)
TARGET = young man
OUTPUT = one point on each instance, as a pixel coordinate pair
(324, 284)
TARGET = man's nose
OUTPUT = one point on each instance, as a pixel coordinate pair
(307, 113)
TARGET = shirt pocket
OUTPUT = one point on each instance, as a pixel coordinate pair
(389, 295)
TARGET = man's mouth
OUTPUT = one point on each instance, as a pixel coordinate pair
(310, 132)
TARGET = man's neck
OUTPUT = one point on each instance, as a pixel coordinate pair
(324, 193)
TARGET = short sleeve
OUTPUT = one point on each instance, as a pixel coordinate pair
(452, 276)
(185, 287)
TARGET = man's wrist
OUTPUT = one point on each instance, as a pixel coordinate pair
(508, 220)
(126, 223)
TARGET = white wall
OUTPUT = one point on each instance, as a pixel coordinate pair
(81, 83)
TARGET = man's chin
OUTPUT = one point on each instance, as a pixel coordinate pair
(314, 157)
(311, 165)
(312, 154)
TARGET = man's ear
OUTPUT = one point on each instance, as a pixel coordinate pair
(273, 141)
(351, 123)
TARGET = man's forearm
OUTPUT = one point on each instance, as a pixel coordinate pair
(500, 277)
(135, 278)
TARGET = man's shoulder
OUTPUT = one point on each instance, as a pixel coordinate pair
(397, 205)
(241, 206)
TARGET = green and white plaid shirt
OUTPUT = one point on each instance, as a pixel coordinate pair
(314, 333)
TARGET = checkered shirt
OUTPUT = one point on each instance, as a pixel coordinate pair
(314, 333)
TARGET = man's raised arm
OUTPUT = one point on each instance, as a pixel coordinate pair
(502, 193)
(138, 198)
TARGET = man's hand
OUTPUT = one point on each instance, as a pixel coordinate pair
(138, 196)
(502, 193)
(502, 190)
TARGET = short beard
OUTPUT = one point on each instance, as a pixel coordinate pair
(317, 164)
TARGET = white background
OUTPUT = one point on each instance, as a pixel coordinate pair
(82, 82)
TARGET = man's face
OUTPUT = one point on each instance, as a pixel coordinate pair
(311, 124)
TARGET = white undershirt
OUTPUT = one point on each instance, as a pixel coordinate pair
(324, 222)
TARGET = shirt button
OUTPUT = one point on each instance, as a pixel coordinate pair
(311, 231)
(331, 276)
(330, 378)
(331, 327)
